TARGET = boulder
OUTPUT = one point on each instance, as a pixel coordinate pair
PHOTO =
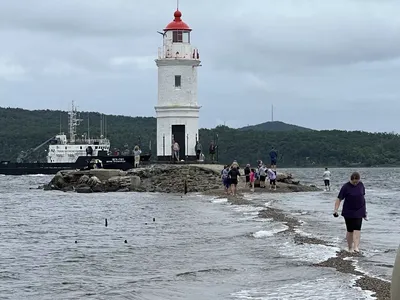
(93, 181)
(97, 188)
(58, 181)
(135, 183)
(105, 174)
(83, 179)
(82, 188)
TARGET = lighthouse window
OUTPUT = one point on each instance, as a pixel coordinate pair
(186, 37)
(177, 81)
(177, 36)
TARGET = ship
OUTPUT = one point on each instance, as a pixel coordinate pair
(73, 153)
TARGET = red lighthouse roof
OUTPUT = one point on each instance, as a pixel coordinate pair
(177, 23)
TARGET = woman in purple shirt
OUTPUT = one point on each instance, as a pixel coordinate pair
(354, 209)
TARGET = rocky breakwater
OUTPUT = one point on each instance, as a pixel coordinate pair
(96, 180)
(157, 178)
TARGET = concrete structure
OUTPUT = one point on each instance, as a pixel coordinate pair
(177, 109)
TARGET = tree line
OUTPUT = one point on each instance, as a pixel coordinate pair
(22, 129)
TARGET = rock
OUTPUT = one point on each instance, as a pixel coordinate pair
(84, 179)
(135, 182)
(105, 174)
(58, 181)
(98, 188)
(83, 189)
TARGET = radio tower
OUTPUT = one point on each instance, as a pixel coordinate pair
(272, 113)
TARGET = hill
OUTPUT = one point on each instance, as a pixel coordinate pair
(275, 126)
(23, 129)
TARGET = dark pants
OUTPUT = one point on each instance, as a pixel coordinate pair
(212, 156)
(198, 152)
(353, 224)
(176, 155)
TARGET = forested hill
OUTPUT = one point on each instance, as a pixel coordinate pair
(22, 129)
(275, 126)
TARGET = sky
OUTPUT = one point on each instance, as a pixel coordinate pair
(321, 64)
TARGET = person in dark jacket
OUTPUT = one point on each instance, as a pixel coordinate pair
(233, 176)
(212, 150)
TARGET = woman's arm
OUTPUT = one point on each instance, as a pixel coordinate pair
(337, 205)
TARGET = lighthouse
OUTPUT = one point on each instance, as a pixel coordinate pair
(177, 109)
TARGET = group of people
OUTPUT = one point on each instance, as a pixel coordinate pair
(230, 174)
(212, 149)
(198, 149)
(261, 173)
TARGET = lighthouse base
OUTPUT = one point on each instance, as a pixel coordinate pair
(170, 159)
(178, 124)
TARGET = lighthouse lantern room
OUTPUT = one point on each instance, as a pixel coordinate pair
(177, 109)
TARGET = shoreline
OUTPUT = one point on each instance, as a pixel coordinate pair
(342, 262)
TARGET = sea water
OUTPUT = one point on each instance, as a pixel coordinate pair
(55, 245)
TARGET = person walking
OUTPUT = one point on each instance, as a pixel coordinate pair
(225, 178)
(327, 179)
(198, 148)
(272, 179)
(354, 210)
(263, 175)
(252, 179)
(233, 176)
(247, 174)
(176, 149)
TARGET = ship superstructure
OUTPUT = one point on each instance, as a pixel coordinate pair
(62, 150)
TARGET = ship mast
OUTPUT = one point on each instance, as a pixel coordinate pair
(73, 123)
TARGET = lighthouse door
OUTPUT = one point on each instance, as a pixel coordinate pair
(178, 132)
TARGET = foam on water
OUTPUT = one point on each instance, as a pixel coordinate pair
(357, 267)
(270, 232)
(37, 175)
(219, 200)
(247, 208)
(322, 288)
(312, 253)
(299, 231)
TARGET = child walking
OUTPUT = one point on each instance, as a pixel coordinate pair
(252, 179)
(272, 179)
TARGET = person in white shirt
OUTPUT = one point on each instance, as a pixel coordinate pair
(327, 179)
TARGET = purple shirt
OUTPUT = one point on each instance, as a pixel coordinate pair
(354, 200)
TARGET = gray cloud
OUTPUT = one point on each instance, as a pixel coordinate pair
(322, 64)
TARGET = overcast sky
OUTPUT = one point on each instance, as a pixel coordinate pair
(322, 64)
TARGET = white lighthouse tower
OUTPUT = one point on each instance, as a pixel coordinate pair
(177, 109)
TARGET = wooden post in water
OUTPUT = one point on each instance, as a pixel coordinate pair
(185, 188)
